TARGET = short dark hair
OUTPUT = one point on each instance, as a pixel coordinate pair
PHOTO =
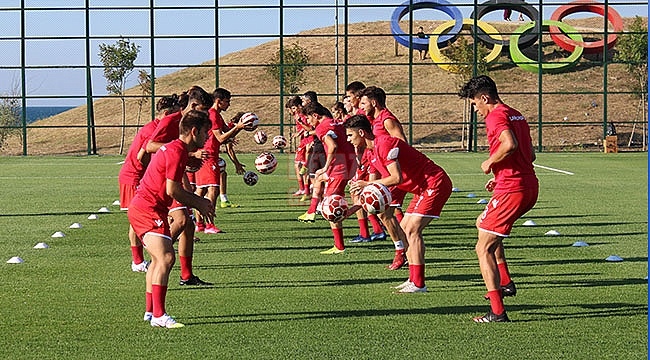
(196, 93)
(294, 101)
(340, 107)
(316, 108)
(194, 119)
(311, 95)
(359, 122)
(478, 85)
(354, 87)
(167, 102)
(221, 94)
(374, 93)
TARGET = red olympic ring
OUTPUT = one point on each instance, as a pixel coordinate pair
(590, 47)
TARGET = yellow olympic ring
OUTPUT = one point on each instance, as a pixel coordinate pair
(443, 62)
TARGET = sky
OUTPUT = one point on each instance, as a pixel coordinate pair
(186, 36)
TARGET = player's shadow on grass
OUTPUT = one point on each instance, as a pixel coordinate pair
(570, 261)
(84, 213)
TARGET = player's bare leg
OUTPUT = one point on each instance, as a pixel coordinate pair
(413, 227)
(162, 260)
(486, 246)
(397, 235)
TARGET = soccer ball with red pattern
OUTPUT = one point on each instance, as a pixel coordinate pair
(266, 163)
(375, 198)
(260, 137)
(251, 121)
(279, 142)
(334, 208)
(250, 178)
(222, 164)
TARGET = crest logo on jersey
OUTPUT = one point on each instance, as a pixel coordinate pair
(495, 202)
(430, 192)
(158, 222)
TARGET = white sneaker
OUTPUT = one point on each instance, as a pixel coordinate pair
(411, 288)
(403, 285)
(165, 321)
(141, 267)
(148, 315)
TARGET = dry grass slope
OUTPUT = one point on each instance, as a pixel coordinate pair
(437, 118)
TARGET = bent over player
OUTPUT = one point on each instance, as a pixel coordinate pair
(514, 186)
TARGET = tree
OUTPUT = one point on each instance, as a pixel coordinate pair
(10, 118)
(461, 57)
(295, 59)
(632, 49)
(145, 82)
(119, 61)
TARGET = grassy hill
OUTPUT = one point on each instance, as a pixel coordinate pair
(437, 116)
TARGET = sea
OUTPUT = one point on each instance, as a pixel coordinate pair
(34, 113)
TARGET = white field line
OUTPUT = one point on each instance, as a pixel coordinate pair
(553, 169)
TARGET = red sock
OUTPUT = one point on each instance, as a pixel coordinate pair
(158, 293)
(504, 274)
(301, 183)
(186, 267)
(313, 205)
(416, 274)
(148, 302)
(399, 216)
(138, 254)
(338, 238)
(376, 224)
(496, 301)
(363, 227)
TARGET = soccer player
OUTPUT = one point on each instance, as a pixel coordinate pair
(132, 171)
(182, 226)
(515, 188)
(410, 171)
(352, 93)
(340, 163)
(294, 106)
(240, 168)
(149, 208)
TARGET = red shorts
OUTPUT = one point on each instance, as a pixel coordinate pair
(176, 206)
(335, 185)
(208, 174)
(191, 177)
(127, 192)
(397, 196)
(504, 209)
(429, 203)
(148, 222)
(301, 150)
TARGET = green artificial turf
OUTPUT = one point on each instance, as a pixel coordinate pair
(276, 297)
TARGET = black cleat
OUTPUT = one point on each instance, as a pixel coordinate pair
(194, 280)
(509, 290)
(492, 317)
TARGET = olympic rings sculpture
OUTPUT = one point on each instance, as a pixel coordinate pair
(562, 35)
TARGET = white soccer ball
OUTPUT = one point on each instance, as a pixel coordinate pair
(251, 121)
(279, 142)
(222, 164)
(250, 178)
(334, 208)
(260, 137)
(266, 163)
(375, 198)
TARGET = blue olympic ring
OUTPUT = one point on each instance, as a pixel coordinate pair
(423, 44)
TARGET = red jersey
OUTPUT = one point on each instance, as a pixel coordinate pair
(132, 169)
(378, 122)
(515, 172)
(212, 145)
(365, 166)
(344, 163)
(168, 163)
(418, 171)
(168, 129)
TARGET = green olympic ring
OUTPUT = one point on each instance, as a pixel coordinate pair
(443, 62)
(531, 65)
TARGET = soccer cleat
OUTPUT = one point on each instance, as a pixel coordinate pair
(299, 193)
(141, 267)
(305, 197)
(399, 261)
(307, 218)
(227, 204)
(403, 285)
(165, 321)
(411, 288)
(303, 170)
(380, 236)
(492, 317)
(194, 280)
(359, 239)
(199, 227)
(148, 315)
(212, 229)
(509, 290)
(333, 251)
